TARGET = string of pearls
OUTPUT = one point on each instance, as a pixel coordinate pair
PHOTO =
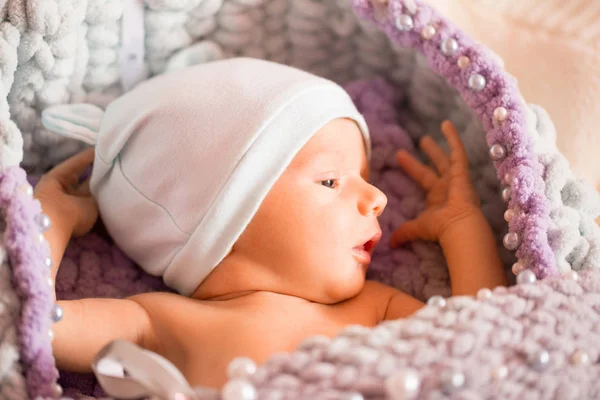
(449, 47)
(43, 222)
(56, 314)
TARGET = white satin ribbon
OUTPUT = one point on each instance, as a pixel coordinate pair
(126, 371)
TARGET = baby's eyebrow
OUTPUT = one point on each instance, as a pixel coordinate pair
(332, 154)
(327, 155)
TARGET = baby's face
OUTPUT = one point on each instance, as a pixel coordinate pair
(319, 211)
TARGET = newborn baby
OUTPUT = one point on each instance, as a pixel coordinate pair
(245, 185)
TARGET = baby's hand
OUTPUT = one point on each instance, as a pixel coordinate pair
(451, 196)
(67, 202)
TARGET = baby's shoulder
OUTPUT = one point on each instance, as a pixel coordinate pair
(172, 316)
(158, 302)
(375, 295)
(377, 291)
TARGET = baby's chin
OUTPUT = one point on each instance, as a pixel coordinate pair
(346, 287)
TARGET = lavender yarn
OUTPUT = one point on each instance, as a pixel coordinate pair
(29, 275)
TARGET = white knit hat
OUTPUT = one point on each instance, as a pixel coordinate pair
(184, 160)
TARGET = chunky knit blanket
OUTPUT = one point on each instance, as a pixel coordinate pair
(407, 69)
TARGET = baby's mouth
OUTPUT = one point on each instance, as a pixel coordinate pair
(364, 251)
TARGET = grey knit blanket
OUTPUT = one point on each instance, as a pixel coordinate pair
(537, 339)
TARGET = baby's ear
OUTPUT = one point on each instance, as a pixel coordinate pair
(76, 121)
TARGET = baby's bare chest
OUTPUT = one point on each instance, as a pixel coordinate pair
(209, 340)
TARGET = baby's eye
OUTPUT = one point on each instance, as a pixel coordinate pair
(330, 183)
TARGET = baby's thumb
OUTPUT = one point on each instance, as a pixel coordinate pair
(87, 215)
(407, 232)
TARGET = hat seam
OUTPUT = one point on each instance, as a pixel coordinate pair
(150, 200)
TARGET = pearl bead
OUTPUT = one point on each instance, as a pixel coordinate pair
(572, 275)
(28, 189)
(477, 82)
(241, 367)
(484, 294)
(48, 262)
(539, 360)
(403, 385)
(517, 268)
(452, 380)
(526, 277)
(463, 62)
(436, 301)
(579, 357)
(238, 389)
(57, 313)
(50, 282)
(41, 238)
(500, 114)
(57, 390)
(51, 334)
(497, 152)
(353, 396)
(499, 373)
(427, 32)
(449, 47)
(404, 22)
(506, 194)
(179, 396)
(508, 215)
(507, 178)
(511, 241)
(43, 222)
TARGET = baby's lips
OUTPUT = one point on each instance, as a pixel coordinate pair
(370, 244)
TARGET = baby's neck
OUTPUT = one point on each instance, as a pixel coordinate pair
(255, 295)
(231, 296)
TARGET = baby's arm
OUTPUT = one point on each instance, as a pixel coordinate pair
(87, 324)
(453, 216)
(472, 256)
(90, 324)
(68, 204)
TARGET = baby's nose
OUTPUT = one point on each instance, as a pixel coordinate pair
(374, 201)
(380, 202)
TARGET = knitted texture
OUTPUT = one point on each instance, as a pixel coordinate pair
(12, 382)
(30, 302)
(69, 51)
(475, 338)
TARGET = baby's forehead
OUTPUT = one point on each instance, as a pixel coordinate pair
(339, 140)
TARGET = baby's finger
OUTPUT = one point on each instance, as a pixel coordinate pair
(407, 232)
(87, 215)
(458, 155)
(422, 174)
(84, 188)
(436, 154)
(69, 171)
